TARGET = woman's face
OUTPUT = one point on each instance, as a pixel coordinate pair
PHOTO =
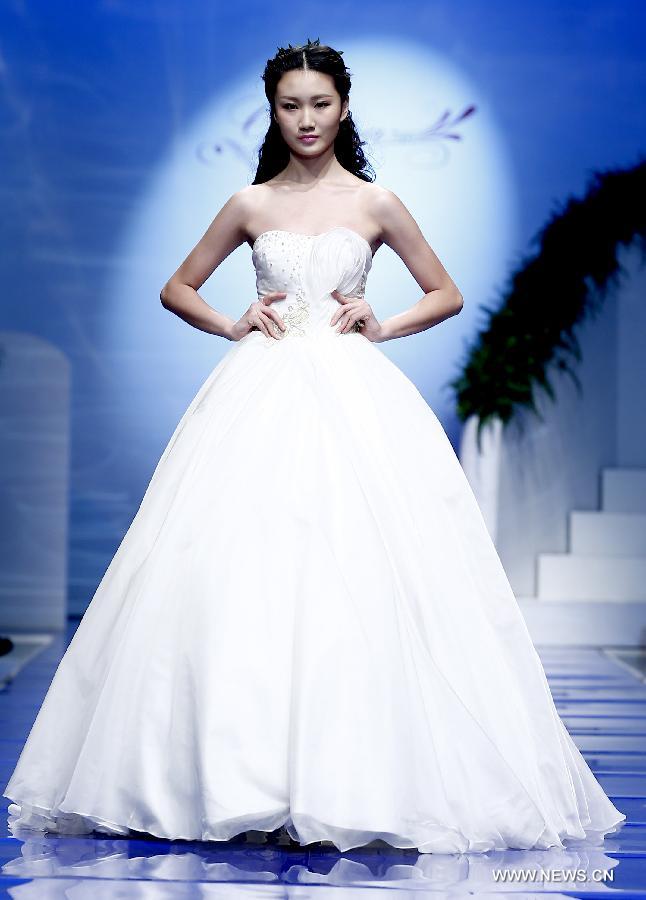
(308, 104)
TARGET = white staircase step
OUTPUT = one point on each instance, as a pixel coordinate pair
(623, 490)
(607, 533)
(565, 575)
(575, 622)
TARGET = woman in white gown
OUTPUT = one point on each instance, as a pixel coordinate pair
(307, 624)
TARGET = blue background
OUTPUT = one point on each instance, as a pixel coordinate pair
(94, 98)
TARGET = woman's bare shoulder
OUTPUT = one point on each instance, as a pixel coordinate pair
(372, 195)
(249, 201)
(376, 200)
(252, 194)
(377, 193)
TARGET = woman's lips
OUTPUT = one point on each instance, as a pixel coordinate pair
(309, 139)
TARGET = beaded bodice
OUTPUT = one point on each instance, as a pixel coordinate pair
(308, 267)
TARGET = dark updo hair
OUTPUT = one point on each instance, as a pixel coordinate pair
(273, 155)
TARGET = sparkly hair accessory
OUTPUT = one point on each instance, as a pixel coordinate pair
(282, 52)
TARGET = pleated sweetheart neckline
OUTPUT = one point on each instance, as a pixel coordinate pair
(320, 234)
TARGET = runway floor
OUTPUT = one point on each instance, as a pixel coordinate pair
(601, 696)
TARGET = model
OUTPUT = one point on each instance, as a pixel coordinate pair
(307, 624)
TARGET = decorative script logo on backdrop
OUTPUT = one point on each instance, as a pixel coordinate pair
(429, 146)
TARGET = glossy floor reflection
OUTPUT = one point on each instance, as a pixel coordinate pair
(602, 701)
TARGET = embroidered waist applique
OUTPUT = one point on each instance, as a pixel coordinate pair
(294, 317)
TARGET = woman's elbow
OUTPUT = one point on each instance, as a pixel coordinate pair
(164, 296)
(456, 297)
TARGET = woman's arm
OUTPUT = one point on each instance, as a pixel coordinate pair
(442, 298)
(179, 294)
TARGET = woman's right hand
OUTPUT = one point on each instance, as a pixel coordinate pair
(259, 317)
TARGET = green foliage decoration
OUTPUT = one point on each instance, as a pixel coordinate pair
(532, 330)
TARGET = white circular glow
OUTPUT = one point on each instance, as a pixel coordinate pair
(406, 101)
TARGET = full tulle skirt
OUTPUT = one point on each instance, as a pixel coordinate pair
(307, 625)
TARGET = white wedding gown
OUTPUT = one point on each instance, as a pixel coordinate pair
(307, 623)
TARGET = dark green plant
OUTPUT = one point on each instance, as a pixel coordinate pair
(533, 328)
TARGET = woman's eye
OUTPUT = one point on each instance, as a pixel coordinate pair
(291, 105)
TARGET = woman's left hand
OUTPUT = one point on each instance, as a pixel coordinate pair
(353, 309)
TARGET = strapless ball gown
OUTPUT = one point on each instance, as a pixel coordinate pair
(307, 624)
